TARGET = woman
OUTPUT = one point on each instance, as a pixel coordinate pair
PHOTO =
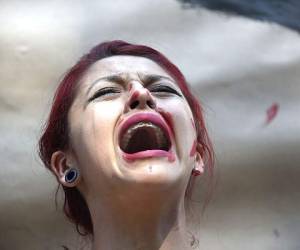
(126, 138)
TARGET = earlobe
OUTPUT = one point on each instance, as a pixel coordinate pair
(199, 165)
(62, 169)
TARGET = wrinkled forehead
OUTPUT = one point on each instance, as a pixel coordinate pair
(129, 66)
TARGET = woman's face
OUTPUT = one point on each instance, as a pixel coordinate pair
(130, 125)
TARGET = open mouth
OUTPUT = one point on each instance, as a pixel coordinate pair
(143, 136)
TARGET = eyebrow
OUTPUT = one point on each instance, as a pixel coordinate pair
(122, 78)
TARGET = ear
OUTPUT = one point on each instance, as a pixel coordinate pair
(60, 164)
(199, 164)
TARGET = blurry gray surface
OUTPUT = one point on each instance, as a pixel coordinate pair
(238, 67)
(283, 12)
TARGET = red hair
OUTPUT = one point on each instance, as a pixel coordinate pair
(56, 132)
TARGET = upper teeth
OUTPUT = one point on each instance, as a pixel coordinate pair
(160, 138)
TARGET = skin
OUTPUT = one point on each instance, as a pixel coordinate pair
(137, 204)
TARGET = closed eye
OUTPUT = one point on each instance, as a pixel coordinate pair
(104, 92)
(164, 89)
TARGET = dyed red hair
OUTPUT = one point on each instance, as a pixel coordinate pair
(56, 132)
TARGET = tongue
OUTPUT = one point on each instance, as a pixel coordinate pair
(142, 139)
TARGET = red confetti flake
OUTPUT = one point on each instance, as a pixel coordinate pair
(272, 111)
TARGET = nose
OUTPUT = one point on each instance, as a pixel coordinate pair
(140, 98)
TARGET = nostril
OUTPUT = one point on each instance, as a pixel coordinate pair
(142, 103)
(134, 104)
(151, 104)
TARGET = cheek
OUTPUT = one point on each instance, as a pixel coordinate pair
(193, 124)
(102, 121)
(92, 130)
(193, 149)
(179, 114)
(195, 142)
(168, 118)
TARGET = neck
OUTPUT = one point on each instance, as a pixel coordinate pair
(134, 224)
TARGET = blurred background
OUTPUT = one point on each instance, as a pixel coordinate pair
(244, 70)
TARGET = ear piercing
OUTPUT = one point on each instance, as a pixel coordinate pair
(196, 172)
(71, 175)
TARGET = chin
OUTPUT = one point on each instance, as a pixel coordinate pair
(152, 171)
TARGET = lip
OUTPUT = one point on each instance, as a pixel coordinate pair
(155, 119)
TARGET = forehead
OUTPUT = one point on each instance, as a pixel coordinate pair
(130, 65)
